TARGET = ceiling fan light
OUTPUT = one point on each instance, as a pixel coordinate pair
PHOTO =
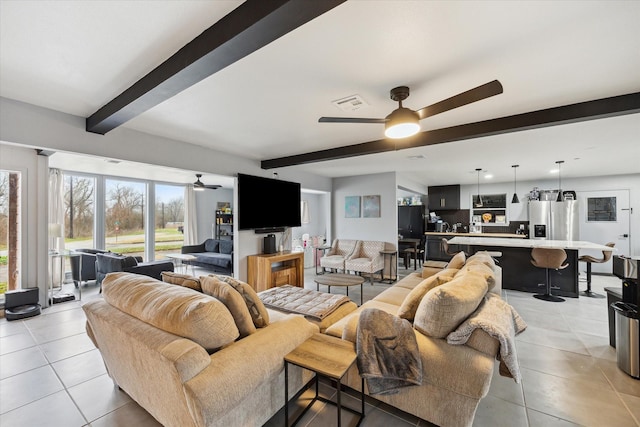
(402, 123)
(198, 188)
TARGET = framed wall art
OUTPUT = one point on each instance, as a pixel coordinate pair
(371, 206)
(352, 207)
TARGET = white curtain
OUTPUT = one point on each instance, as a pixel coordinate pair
(190, 216)
(56, 221)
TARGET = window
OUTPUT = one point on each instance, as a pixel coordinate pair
(169, 216)
(79, 205)
(124, 216)
(9, 232)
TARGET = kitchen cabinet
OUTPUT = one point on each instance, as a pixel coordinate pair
(434, 250)
(444, 197)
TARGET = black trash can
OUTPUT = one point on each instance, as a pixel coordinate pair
(627, 337)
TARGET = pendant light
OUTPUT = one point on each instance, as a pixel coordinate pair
(515, 191)
(559, 163)
(478, 202)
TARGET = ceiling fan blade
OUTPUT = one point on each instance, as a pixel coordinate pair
(486, 90)
(213, 186)
(350, 120)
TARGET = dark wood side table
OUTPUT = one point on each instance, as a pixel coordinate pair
(393, 265)
(330, 357)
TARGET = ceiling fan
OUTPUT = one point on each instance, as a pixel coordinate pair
(404, 122)
(200, 186)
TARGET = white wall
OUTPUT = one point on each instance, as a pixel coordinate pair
(34, 183)
(518, 212)
(37, 127)
(206, 205)
(384, 228)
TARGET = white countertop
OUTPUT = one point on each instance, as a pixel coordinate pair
(509, 235)
(527, 243)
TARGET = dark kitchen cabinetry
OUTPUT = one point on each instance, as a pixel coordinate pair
(411, 221)
(444, 197)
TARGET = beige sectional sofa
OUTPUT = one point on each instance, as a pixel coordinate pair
(213, 356)
(455, 377)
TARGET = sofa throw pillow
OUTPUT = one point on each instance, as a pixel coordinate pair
(457, 261)
(484, 258)
(258, 312)
(482, 269)
(174, 309)
(232, 300)
(225, 247)
(211, 245)
(411, 302)
(445, 307)
(181, 280)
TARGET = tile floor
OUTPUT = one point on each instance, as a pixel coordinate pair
(51, 374)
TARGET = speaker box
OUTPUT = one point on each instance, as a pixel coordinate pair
(269, 246)
(21, 304)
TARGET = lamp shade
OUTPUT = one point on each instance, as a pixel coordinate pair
(401, 123)
(55, 230)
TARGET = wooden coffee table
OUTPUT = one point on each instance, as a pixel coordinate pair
(330, 357)
(336, 279)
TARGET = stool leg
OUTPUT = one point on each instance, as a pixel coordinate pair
(547, 295)
(589, 292)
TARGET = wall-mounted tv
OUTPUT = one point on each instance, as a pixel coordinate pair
(266, 204)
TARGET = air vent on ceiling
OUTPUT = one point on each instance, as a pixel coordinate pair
(417, 157)
(350, 103)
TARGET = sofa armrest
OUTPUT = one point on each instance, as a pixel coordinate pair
(236, 371)
(483, 342)
(189, 249)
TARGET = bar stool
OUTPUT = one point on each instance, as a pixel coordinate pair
(548, 258)
(606, 256)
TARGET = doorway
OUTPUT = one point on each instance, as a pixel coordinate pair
(604, 217)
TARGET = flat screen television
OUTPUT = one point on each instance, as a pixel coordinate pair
(266, 204)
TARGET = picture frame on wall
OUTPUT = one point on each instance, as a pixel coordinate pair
(371, 206)
(352, 207)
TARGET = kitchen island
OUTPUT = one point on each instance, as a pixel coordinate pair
(433, 243)
(517, 271)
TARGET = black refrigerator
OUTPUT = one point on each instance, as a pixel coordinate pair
(411, 221)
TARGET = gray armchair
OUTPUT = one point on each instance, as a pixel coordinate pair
(109, 262)
(87, 260)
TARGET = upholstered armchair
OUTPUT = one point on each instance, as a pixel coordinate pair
(366, 258)
(87, 260)
(340, 251)
(109, 262)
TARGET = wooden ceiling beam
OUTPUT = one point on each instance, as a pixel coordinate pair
(252, 25)
(582, 111)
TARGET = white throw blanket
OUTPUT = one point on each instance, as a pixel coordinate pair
(502, 322)
(308, 302)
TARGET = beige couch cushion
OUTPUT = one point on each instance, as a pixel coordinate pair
(443, 308)
(484, 258)
(457, 261)
(410, 304)
(174, 309)
(482, 269)
(258, 311)
(182, 280)
(232, 300)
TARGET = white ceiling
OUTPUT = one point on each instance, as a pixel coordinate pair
(75, 56)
